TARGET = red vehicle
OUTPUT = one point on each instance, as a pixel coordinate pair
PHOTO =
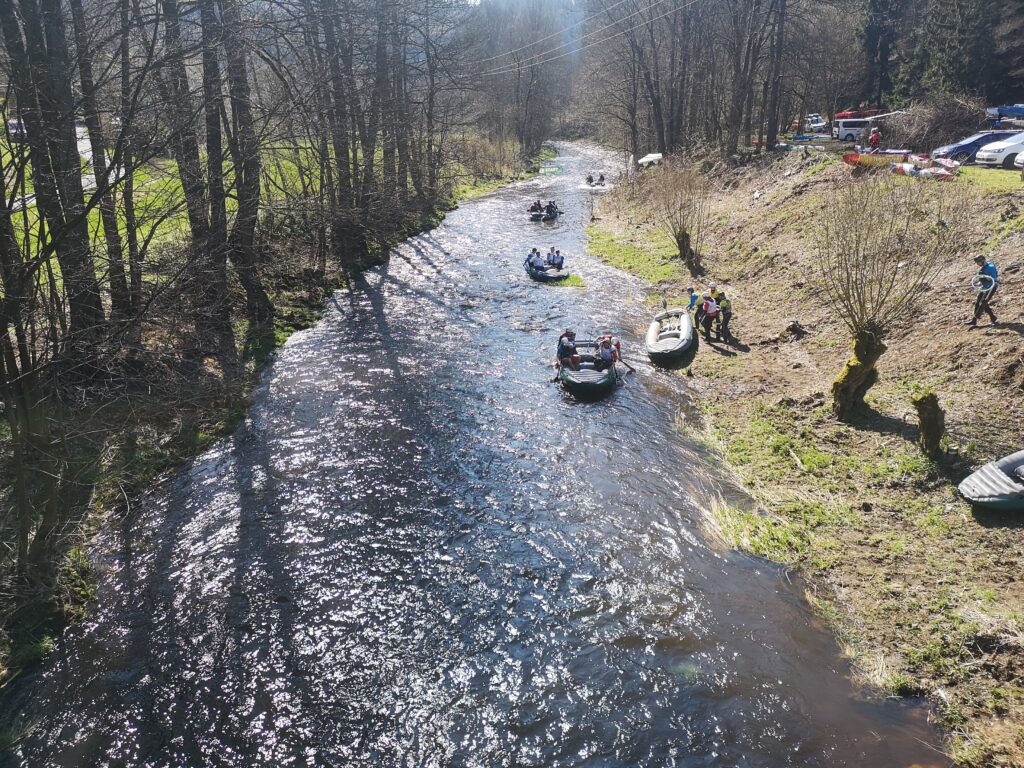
(854, 114)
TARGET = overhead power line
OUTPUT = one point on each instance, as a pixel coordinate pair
(508, 69)
(547, 37)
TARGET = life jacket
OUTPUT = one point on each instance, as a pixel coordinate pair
(710, 308)
(726, 306)
(616, 344)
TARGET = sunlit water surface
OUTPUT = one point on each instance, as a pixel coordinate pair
(417, 551)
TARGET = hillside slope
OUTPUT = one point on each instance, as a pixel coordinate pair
(924, 593)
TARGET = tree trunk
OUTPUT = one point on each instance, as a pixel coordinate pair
(932, 419)
(241, 243)
(120, 299)
(859, 374)
(776, 76)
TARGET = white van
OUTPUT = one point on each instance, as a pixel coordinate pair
(849, 130)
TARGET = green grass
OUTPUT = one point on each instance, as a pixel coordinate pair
(654, 259)
(994, 181)
(572, 281)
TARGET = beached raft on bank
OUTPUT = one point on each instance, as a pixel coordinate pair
(588, 382)
(545, 275)
(669, 335)
(998, 484)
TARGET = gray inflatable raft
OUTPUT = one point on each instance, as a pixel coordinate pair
(998, 484)
(669, 335)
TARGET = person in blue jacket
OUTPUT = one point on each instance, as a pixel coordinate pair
(694, 298)
(986, 290)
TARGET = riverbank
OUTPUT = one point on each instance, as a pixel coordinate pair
(134, 434)
(923, 592)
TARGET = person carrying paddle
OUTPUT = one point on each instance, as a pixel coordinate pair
(986, 283)
(566, 353)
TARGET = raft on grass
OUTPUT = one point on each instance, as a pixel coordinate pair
(669, 335)
(544, 275)
(588, 383)
(998, 484)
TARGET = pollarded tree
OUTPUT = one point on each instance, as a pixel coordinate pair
(678, 196)
(881, 244)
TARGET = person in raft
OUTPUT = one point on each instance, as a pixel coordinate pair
(875, 139)
(987, 286)
(537, 261)
(566, 354)
(556, 259)
(536, 207)
(605, 355)
(590, 178)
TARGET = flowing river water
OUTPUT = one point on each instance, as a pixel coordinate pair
(417, 551)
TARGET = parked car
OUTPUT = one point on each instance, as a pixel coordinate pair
(849, 130)
(815, 123)
(963, 151)
(1001, 154)
(1019, 162)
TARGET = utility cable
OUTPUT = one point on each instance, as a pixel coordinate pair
(547, 37)
(508, 69)
(513, 67)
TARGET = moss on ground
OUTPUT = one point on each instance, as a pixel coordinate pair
(653, 257)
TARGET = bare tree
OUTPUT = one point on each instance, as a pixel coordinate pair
(678, 196)
(881, 244)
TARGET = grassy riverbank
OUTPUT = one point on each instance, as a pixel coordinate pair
(922, 591)
(136, 435)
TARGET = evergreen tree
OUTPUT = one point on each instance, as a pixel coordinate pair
(952, 53)
(878, 37)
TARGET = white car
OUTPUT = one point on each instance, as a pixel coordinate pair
(1019, 162)
(815, 123)
(1001, 154)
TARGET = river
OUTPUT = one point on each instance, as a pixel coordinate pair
(417, 551)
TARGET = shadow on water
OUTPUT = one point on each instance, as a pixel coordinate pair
(417, 552)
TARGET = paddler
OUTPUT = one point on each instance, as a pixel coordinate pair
(566, 353)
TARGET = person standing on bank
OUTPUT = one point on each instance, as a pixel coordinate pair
(986, 283)
(724, 317)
